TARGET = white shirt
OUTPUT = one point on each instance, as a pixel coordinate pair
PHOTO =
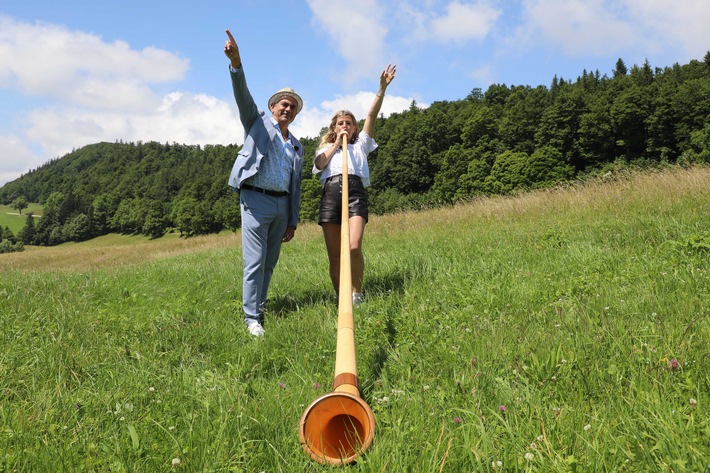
(357, 160)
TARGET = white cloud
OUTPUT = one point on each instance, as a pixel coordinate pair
(357, 32)
(483, 74)
(579, 27)
(672, 22)
(456, 22)
(312, 120)
(309, 122)
(15, 158)
(465, 21)
(604, 27)
(81, 69)
(415, 22)
(359, 104)
(98, 91)
(181, 118)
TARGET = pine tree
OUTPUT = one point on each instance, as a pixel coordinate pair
(29, 231)
(620, 70)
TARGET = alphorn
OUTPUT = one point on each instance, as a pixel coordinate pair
(339, 426)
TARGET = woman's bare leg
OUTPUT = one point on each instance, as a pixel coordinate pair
(357, 259)
(331, 233)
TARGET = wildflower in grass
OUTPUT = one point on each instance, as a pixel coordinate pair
(151, 389)
(316, 385)
(175, 462)
(557, 411)
(693, 402)
(457, 420)
(281, 385)
(673, 364)
(497, 464)
(529, 456)
(501, 408)
(587, 427)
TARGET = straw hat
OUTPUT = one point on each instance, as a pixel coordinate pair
(289, 92)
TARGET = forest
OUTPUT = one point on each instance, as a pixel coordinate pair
(505, 140)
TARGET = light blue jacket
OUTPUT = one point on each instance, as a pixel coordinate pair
(259, 132)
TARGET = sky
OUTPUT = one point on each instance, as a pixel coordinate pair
(78, 72)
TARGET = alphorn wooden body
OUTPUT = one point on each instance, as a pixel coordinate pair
(339, 426)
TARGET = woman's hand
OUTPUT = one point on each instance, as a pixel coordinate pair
(339, 138)
(387, 75)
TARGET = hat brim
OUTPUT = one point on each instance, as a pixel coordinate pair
(288, 93)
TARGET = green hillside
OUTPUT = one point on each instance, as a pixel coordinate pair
(501, 141)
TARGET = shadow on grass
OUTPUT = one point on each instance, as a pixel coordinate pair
(282, 306)
(386, 287)
(381, 354)
(375, 287)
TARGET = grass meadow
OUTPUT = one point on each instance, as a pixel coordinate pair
(560, 330)
(10, 218)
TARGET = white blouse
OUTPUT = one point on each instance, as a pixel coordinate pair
(357, 160)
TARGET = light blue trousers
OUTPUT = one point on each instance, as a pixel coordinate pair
(264, 222)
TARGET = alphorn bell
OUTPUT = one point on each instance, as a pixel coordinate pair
(339, 426)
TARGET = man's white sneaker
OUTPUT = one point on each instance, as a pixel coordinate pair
(358, 298)
(256, 329)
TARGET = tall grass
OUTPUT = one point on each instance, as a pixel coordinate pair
(561, 330)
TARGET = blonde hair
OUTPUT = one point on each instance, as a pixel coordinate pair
(329, 136)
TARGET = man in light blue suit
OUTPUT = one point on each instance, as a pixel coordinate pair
(267, 174)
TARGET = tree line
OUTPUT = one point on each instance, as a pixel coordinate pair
(504, 140)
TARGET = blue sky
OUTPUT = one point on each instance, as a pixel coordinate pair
(80, 72)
